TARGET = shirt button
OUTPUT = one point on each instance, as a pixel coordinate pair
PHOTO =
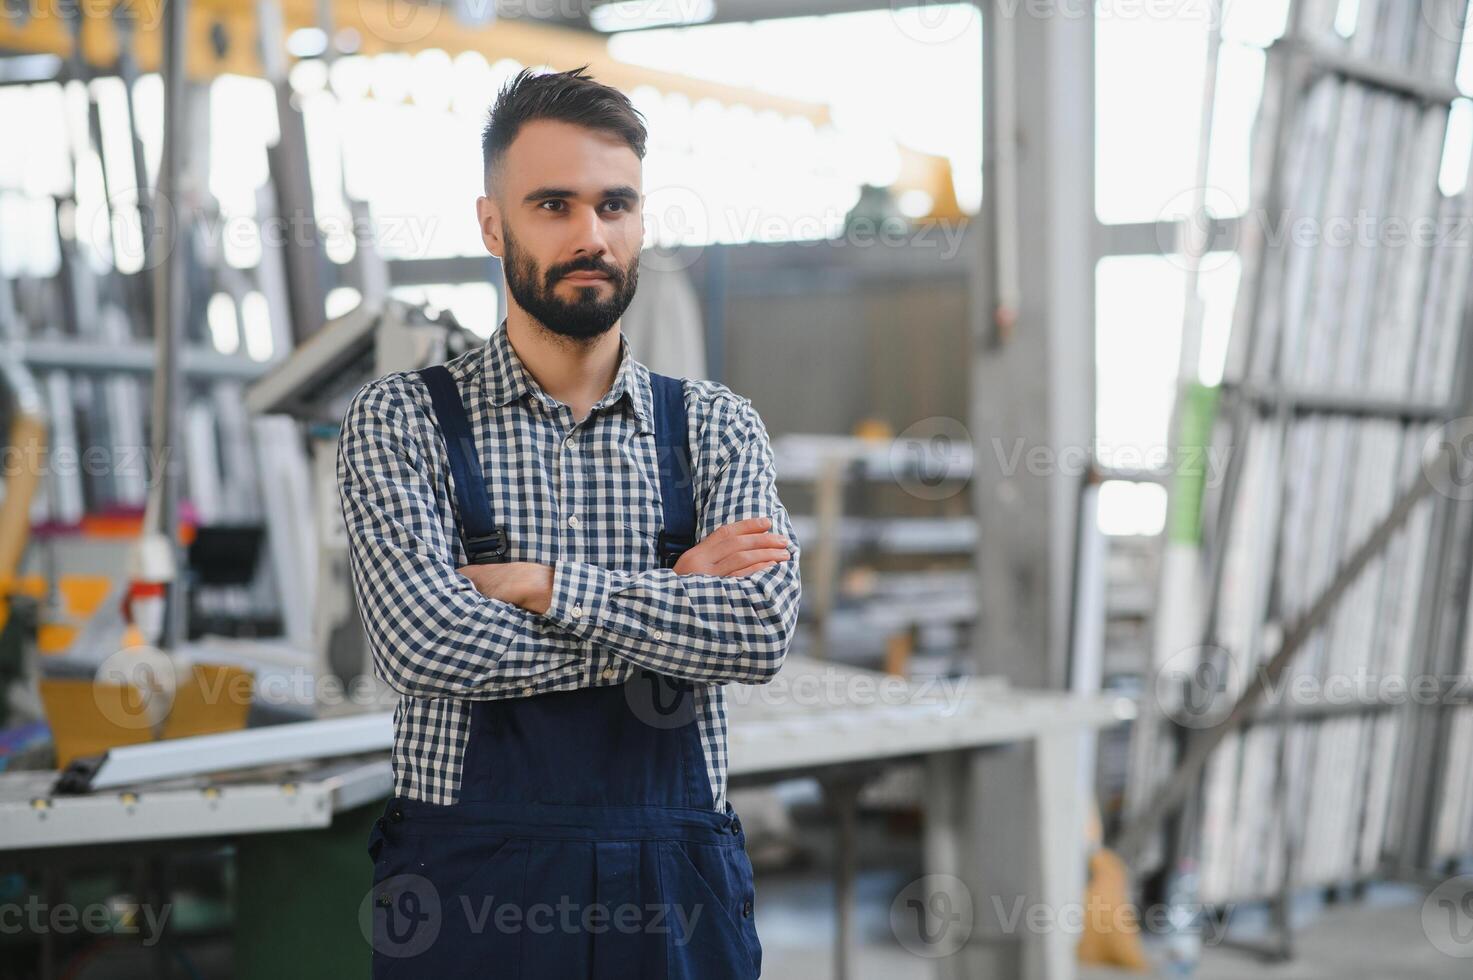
(658, 635)
(747, 909)
(526, 692)
(608, 674)
(572, 520)
(570, 442)
(577, 611)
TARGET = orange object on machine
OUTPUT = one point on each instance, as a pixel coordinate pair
(88, 716)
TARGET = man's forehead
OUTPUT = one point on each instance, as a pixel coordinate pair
(553, 153)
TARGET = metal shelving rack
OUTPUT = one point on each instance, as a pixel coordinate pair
(829, 465)
(1296, 62)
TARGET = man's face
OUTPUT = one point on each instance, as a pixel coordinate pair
(566, 222)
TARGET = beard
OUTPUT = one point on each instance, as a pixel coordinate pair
(590, 314)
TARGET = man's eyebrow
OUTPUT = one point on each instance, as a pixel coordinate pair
(623, 191)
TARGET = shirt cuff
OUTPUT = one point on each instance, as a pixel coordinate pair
(580, 593)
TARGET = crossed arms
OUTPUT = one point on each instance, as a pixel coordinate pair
(725, 613)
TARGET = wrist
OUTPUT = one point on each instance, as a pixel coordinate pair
(580, 591)
(537, 590)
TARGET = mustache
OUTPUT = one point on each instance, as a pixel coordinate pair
(587, 265)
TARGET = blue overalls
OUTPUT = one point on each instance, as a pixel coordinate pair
(585, 843)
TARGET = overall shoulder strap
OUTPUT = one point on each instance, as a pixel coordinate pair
(677, 479)
(484, 542)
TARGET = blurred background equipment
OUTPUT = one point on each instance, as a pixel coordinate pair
(1330, 556)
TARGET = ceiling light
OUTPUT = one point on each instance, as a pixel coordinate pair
(630, 15)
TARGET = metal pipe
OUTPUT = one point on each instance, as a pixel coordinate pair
(162, 514)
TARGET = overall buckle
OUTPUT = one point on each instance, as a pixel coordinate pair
(487, 549)
(669, 548)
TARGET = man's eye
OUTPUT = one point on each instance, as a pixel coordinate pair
(618, 204)
(558, 203)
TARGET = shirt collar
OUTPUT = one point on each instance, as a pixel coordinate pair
(505, 379)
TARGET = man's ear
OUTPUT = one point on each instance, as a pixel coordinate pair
(488, 216)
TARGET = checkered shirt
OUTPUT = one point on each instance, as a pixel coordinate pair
(583, 497)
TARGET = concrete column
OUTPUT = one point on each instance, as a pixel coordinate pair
(1032, 417)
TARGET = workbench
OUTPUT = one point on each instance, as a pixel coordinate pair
(815, 719)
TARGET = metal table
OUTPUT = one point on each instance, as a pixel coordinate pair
(815, 719)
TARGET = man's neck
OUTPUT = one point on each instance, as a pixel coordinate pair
(575, 372)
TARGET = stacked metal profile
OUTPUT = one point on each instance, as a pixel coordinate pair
(1452, 836)
(84, 330)
(1343, 368)
(1445, 812)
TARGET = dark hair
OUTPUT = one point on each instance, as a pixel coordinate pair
(568, 96)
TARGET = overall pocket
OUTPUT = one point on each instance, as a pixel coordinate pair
(741, 867)
(481, 880)
(709, 907)
(440, 905)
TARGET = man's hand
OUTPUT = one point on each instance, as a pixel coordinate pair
(739, 548)
(522, 583)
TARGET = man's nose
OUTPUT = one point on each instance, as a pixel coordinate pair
(589, 234)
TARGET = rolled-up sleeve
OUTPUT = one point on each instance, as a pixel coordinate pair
(431, 633)
(702, 628)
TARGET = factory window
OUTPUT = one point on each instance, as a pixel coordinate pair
(798, 180)
(1140, 311)
(1137, 46)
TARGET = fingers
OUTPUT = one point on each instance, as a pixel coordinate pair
(747, 558)
(748, 542)
(740, 548)
(767, 540)
(751, 569)
(749, 526)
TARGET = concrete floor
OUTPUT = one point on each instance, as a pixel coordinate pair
(1381, 938)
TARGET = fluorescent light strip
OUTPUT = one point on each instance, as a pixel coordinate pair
(629, 15)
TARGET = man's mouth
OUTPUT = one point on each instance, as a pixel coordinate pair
(587, 277)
